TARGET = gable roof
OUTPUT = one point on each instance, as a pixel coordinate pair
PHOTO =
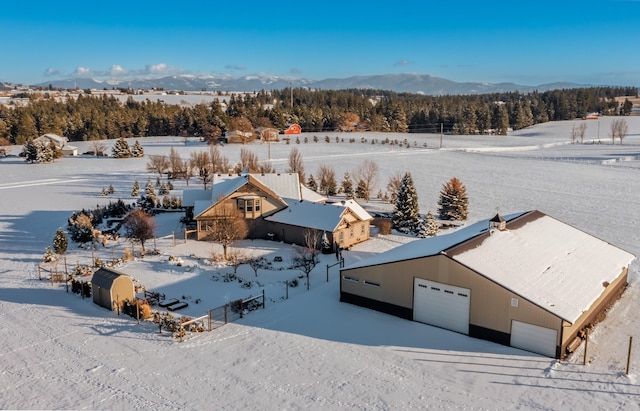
(564, 270)
(550, 263)
(59, 141)
(105, 277)
(319, 216)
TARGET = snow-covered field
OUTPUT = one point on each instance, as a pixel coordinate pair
(311, 351)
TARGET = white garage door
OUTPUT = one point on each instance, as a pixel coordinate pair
(534, 338)
(441, 305)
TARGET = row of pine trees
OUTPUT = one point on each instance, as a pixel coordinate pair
(94, 118)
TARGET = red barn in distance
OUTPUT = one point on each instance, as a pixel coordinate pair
(292, 129)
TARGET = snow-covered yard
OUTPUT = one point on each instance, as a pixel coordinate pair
(310, 351)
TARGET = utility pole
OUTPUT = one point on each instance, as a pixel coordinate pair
(441, 129)
(291, 88)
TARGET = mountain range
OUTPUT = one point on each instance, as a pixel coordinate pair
(401, 83)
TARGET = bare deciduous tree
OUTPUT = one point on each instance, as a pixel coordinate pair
(219, 163)
(393, 186)
(367, 173)
(248, 160)
(227, 226)
(176, 165)
(158, 164)
(295, 164)
(256, 263)
(577, 132)
(139, 226)
(236, 258)
(265, 167)
(98, 147)
(201, 165)
(619, 129)
(582, 129)
(305, 258)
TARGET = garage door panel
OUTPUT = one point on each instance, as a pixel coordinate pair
(530, 337)
(441, 305)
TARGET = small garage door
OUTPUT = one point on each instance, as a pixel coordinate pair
(441, 305)
(534, 338)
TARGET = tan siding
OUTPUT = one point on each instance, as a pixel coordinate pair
(588, 316)
(490, 303)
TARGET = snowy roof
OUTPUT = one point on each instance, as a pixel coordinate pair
(310, 195)
(58, 140)
(356, 208)
(189, 197)
(537, 257)
(319, 216)
(200, 206)
(427, 246)
(563, 269)
(285, 185)
(224, 186)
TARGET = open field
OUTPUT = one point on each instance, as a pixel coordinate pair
(311, 351)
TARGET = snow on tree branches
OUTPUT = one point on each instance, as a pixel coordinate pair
(407, 214)
(453, 202)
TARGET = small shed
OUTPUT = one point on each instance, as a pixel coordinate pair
(111, 288)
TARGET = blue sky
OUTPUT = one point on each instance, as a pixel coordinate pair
(588, 42)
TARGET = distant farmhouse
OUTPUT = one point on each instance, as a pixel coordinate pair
(526, 280)
(60, 143)
(239, 137)
(280, 208)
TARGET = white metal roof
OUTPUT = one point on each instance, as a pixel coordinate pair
(319, 216)
(548, 262)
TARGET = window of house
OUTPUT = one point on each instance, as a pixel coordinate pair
(362, 229)
(241, 204)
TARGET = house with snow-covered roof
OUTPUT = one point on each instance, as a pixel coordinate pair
(60, 143)
(526, 280)
(278, 207)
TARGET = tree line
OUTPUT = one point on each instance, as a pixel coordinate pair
(89, 118)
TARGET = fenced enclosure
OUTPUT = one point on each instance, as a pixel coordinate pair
(219, 316)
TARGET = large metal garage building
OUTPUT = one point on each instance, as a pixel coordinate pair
(526, 280)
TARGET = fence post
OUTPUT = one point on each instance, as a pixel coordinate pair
(327, 272)
(225, 313)
(586, 345)
(629, 355)
(209, 314)
(173, 234)
(287, 290)
(185, 236)
(39, 275)
(263, 300)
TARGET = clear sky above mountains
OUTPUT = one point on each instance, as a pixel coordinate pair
(529, 43)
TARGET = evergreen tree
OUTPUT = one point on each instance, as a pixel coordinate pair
(453, 202)
(121, 148)
(38, 151)
(164, 190)
(137, 150)
(149, 200)
(407, 216)
(361, 190)
(60, 242)
(136, 189)
(347, 185)
(111, 190)
(428, 226)
(311, 183)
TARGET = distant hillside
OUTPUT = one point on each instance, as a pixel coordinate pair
(401, 83)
